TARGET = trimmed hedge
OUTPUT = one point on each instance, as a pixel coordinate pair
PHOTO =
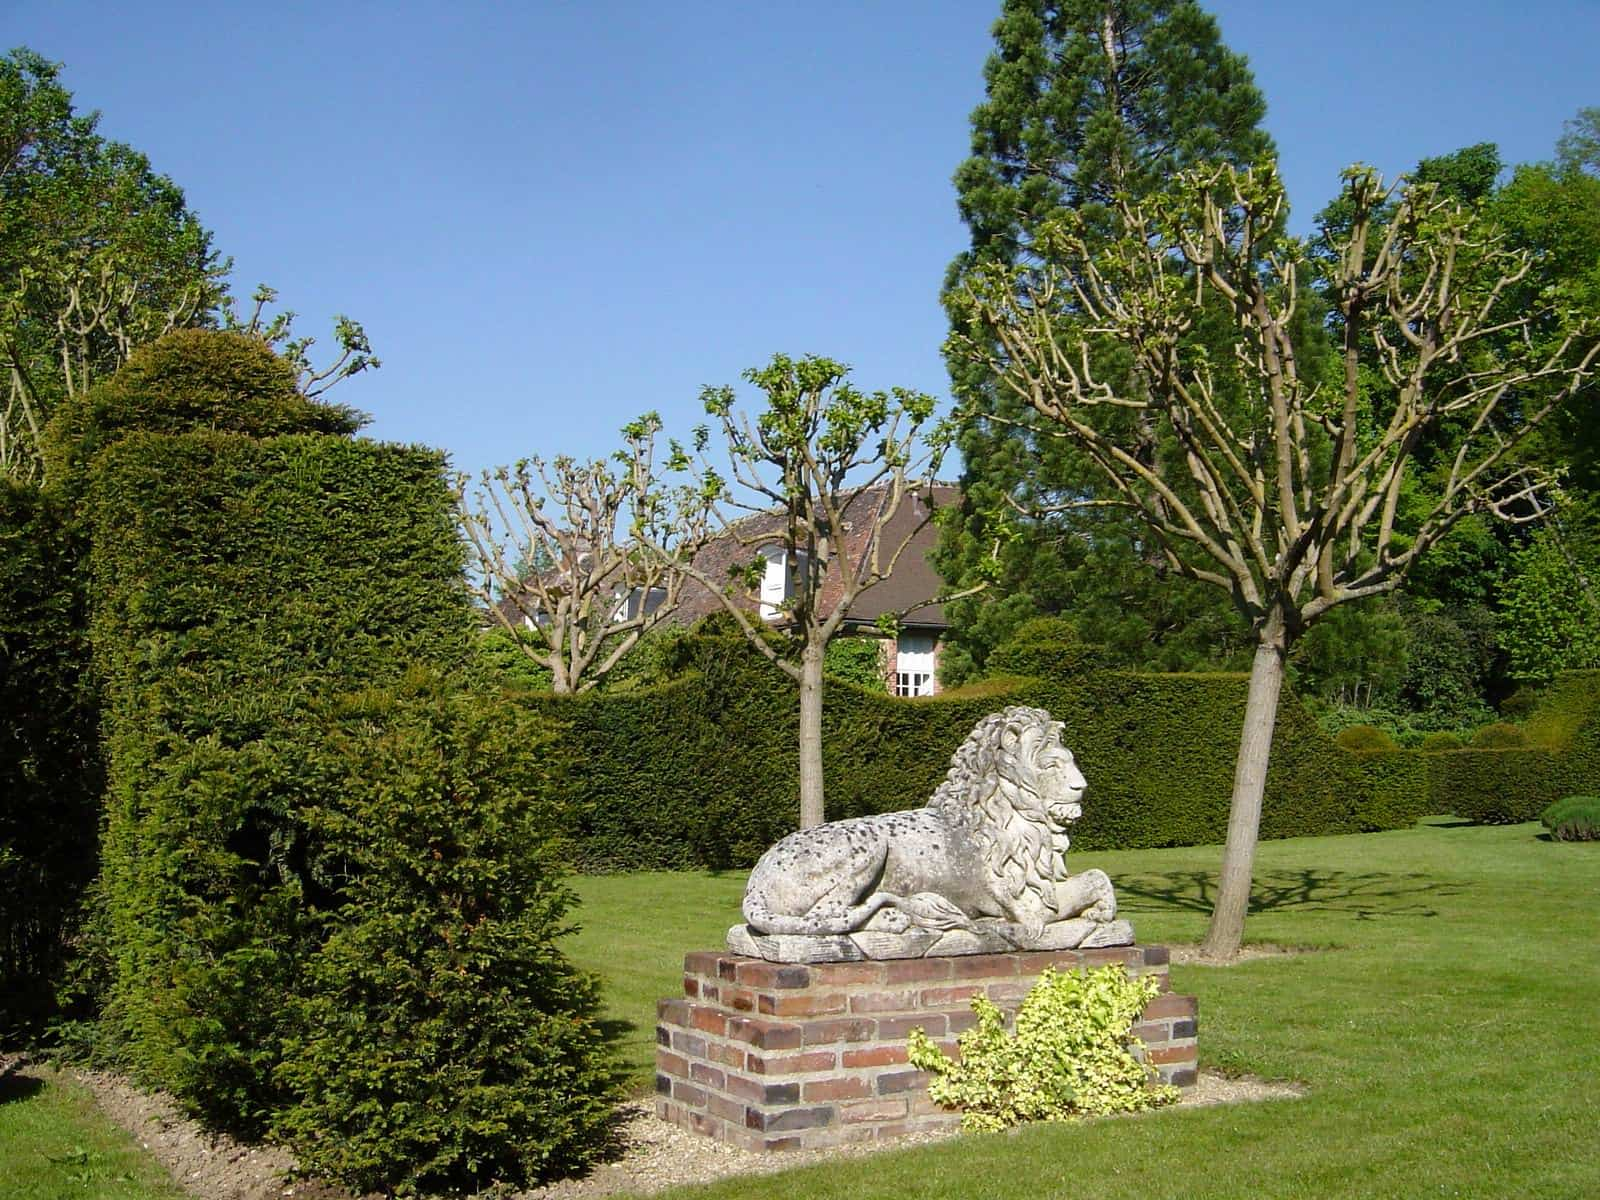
(236, 583)
(703, 771)
(50, 777)
(1561, 758)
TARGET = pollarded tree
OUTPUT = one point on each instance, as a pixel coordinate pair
(98, 255)
(579, 560)
(1286, 495)
(1085, 99)
(841, 467)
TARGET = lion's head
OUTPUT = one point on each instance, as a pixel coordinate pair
(1015, 788)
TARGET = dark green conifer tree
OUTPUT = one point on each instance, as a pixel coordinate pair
(1085, 98)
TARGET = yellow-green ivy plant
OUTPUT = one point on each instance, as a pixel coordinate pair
(1072, 1054)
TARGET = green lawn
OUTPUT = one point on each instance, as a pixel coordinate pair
(55, 1145)
(1449, 1033)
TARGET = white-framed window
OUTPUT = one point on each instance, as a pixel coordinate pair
(638, 602)
(914, 664)
(780, 577)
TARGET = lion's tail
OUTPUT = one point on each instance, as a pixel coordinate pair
(762, 920)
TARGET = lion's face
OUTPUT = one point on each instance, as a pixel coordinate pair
(1057, 782)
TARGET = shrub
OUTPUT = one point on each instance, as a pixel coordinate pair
(1072, 1054)
(441, 1041)
(50, 775)
(1440, 741)
(1364, 739)
(237, 582)
(1500, 736)
(1043, 647)
(857, 660)
(1574, 819)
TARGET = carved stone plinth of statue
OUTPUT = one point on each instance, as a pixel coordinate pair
(980, 870)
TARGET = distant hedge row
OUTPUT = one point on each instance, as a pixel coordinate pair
(702, 772)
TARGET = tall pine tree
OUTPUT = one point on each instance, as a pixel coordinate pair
(1086, 98)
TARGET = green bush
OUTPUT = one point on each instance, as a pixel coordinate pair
(1042, 647)
(440, 1040)
(1364, 738)
(236, 583)
(50, 777)
(1574, 819)
(857, 660)
(1500, 736)
(1072, 1054)
(1435, 742)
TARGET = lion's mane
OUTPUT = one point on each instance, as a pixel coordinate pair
(993, 793)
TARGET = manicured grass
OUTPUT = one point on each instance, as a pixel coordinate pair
(1447, 1034)
(55, 1145)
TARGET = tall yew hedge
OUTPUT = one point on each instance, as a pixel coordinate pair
(330, 878)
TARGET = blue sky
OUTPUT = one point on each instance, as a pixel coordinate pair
(554, 216)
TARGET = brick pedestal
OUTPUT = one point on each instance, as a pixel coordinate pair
(777, 1056)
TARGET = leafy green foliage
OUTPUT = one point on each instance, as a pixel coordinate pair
(236, 582)
(440, 1040)
(98, 254)
(1070, 119)
(1573, 819)
(1501, 735)
(50, 775)
(1072, 1054)
(856, 660)
(1362, 738)
(1047, 647)
(1436, 742)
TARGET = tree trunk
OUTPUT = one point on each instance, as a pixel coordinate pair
(1249, 784)
(811, 736)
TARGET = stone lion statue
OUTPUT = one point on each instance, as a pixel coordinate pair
(981, 867)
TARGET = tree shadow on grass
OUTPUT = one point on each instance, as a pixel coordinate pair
(15, 1087)
(1367, 896)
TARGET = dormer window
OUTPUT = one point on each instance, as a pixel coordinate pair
(780, 578)
(638, 602)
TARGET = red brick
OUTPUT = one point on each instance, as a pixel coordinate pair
(672, 1064)
(806, 1004)
(765, 1035)
(706, 1124)
(708, 1020)
(959, 1022)
(739, 999)
(688, 1094)
(985, 966)
(847, 974)
(1009, 994)
(727, 968)
(1173, 1054)
(775, 1143)
(820, 1033)
(792, 1064)
(691, 1044)
(1058, 960)
(1170, 1004)
(877, 1056)
(891, 1082)
(728, 1110)
(710, 991)
(1152, 1031)
(1128, 956)
(913, 970)
(945, 997)
(672, 1012)
(706, 1074)
(876, 1002)
(891, 1029)
(882, 1109)
(1155, 956)
(702, 962)
(843, 1087)
(1180, 1077)
(790, 1118)
(756, 973)
(691, 986)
